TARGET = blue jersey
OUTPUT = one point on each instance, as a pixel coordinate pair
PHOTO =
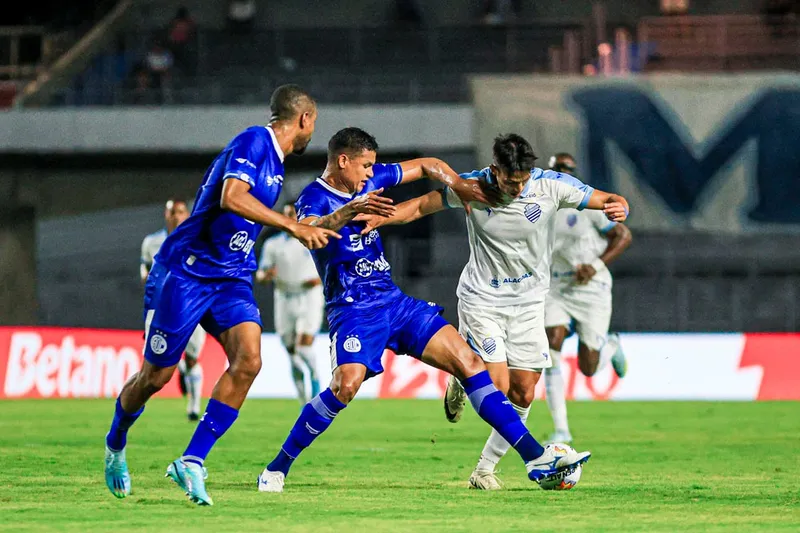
(353, 269)
(217, 244)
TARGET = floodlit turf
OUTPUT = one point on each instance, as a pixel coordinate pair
(399, 466)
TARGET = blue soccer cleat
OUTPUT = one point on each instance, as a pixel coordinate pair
(556, 458)
(118, 479)
(191, 477)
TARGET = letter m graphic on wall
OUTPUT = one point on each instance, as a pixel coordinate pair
(660, 150)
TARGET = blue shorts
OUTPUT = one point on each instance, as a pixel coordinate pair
(401, 323)
(175, 303)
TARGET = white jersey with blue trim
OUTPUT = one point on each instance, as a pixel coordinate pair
(151, 245)
(511, 245)
(292, 261)
(580, 239)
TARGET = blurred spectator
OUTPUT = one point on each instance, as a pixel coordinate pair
(777, 13)
(674, 7)
(159, 63)
(180, 39)
(241, 14)
(500, 11)
(407, 12)
(141, 88)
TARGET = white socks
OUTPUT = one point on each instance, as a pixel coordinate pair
(556, 396)
(194, 386)
(306, 353)
(496, 446)
(299, 377)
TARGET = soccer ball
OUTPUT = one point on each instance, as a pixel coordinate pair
(564, 480)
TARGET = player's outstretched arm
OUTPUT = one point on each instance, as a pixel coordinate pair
(406, 212)
(236, 198)
(368, 204)
(436, 169)
(614, 206)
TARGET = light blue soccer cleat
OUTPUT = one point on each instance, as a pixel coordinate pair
(118, 479)
(556, 458)
(618, 361)
(191, 477)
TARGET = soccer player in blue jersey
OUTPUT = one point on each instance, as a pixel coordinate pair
(367, 312)
(203, 275)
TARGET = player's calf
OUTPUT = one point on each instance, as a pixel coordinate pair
(588, 360)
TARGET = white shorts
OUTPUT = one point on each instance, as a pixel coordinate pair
(511, 334)
(298, 314)
(196, 343)
(588, 305)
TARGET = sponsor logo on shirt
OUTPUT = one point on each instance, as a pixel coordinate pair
(371, 237)
(496, 282)
(272, 180)
(241, 241)
(356, 243)
(365, 267)
(533, 212)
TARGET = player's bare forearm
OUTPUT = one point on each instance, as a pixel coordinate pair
(619, 238)
(613, 205)
(336, 220)
(416, 208)
(236, 198)
(310, 284)
(430, 167)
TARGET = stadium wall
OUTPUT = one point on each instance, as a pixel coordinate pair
(86, 363)
(710, 153)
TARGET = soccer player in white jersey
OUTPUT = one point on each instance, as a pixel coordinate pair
(191, 373)
(299, 302)
(580, 294)
(503, 287)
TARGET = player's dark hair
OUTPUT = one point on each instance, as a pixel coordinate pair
(351, 141)
(512, 153)
(287, 101)
(557, 162)
(170, 203)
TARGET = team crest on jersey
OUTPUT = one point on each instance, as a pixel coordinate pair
(533, 212)
(158, 344)
(489, 345)
(352, 344)
(572, 220)
(240, 241)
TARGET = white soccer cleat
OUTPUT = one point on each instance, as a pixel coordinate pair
(556, 458)
(271, 481)
(484, 480)
(454, 399)
(618, 361)
(560, 436)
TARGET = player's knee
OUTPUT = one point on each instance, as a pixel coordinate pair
(346, 390)
(247, 366)
(588, 363)
(467, 364)
(190, 361)
(521, 394)
(555, 337)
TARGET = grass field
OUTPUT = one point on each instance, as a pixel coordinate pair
(399, 466)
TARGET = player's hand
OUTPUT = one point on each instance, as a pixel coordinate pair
(615, 211)
(584, 274)
(265, 276)
(373, 204)
(476, 191)
(312, 237)
(371, 222)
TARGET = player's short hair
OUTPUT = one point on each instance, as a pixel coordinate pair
(557, 162)
(287, 101)
(512, 153)
(172, 202)
(351, 141)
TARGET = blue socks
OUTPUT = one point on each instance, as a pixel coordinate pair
(217, 419)
(117, 436)
(493, 406)
(315, 418)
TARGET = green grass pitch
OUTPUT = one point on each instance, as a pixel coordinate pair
(399, 466)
